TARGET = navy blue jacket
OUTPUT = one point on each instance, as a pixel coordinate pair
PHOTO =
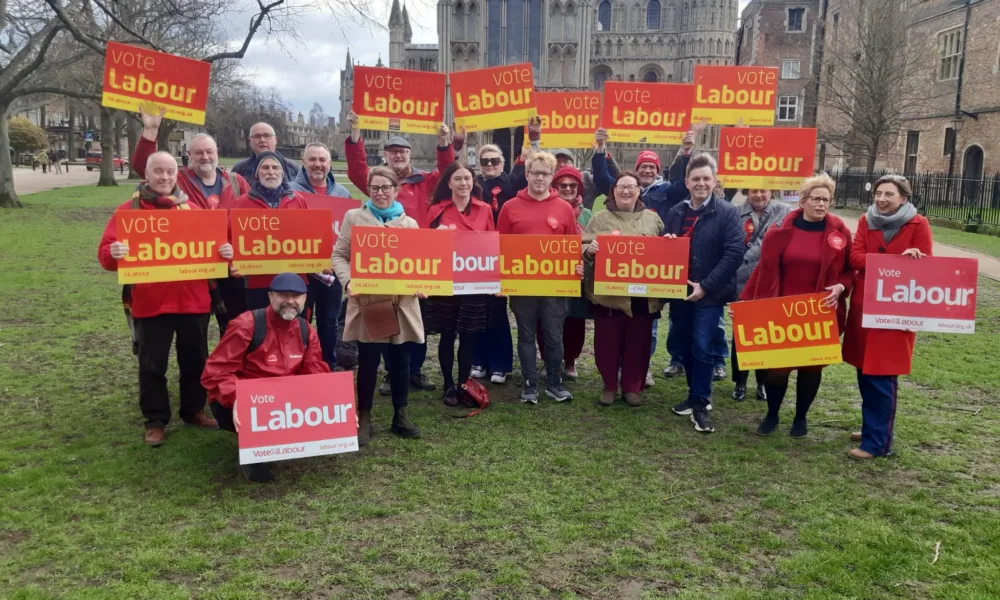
(716, 248)
(247, 168)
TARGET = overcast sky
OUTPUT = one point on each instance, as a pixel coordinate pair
(307, 70)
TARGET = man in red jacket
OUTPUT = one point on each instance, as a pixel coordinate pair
(280, 352)
(206, 185)
(161, 310)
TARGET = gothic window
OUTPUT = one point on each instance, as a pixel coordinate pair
(650, 76)
(597, 49)
(604, 16)
(718, 47)
(601, 74)
(621, 46)
(653, 15)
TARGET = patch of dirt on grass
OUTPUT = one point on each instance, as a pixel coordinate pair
(97, 214)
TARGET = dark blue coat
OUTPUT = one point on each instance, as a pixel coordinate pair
(660, 196)
(716, 248)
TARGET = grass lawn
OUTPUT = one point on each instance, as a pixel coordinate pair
(977, 242)
(553, 501)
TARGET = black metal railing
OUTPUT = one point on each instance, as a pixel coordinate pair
(974, 201)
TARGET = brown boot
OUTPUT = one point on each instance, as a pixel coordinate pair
(365, 428)
(607, 398)
(859, 454)
(856, 436)
(154, 436)
(402, 425)
(632, 399)
(202, 420)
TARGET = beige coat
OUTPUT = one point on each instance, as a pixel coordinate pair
(644, 222)
(411, 326)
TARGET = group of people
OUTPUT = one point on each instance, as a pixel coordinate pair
(47, 159)
(760, 250)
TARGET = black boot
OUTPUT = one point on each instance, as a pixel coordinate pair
(402, 425)
(740, 393)
(365, 428)
(768, 425)
(799, 429)
(761, 392)
(256, 473)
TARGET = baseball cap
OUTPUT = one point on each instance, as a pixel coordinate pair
(288, 283)
(396, 140)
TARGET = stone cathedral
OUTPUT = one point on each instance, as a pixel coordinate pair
(573, 45)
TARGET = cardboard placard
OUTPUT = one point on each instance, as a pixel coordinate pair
(476, 262)
(539, 265)
(777, 158)
(338, 207)
(134, 76)
(793, 331)
(930, 294)
(569, 119)
(282, 418)
(268, 242)
(171, 245)
(725, 95)
(398, 100)
(648, 113)
(493, 98)
(396, 261)
(647, 266)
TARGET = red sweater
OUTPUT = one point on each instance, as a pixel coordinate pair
(280, 355)
(478, 216)
(154, 299)
(800, 261)
(524, 214)
(187, 179)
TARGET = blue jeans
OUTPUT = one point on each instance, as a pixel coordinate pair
(418, 354)
(495, 348)
(695, 327)
(878, 412)
(720, 348)
(323, 301)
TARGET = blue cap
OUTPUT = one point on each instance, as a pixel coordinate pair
(288, 283)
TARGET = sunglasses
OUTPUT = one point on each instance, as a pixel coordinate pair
(567, 186)
(490, 162)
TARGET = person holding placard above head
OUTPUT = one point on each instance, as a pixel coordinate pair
(623, 326)
(455, 206)
(380, 324)
(267, 342)
(415, 189)
(891, 226)
(760, 213)
(539, 210)
(808, 253)
(589, 193)
(164, 310)
(716, 251)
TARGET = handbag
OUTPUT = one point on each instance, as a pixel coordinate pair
(471, 394)
(379, 314)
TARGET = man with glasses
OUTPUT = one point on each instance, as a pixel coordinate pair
(263, 139)
(415, 190)
(539, 210)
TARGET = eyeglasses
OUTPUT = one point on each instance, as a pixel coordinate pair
(627, 187)
(540, 173)
(819, 199)
(490, 162)
(385, 189)
(397, 150)
(261, 136)
(567, 186)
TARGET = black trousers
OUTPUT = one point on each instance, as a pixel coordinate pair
(446, 357)
(234, 295)
(741, 377)
(369, 358)
(154, 336)
(224, 416)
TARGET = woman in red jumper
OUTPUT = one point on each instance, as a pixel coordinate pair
(808, 253)
(891, 226)
(455, 206)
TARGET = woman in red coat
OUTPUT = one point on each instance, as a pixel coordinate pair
(456, 206)
(891, 226)
(808, 253)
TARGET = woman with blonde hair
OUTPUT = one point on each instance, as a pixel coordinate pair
(808, 253)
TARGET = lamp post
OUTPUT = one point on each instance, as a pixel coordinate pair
(956, 121)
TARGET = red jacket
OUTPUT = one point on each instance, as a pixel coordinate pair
(881, 351)
(154, 299)
(478, 216)
(295, 200)
(835, 262)
(280, 355)
(524, 214)
(414, 192)
(187, 179)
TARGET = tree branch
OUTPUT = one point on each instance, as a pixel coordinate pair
(129, 31)
(56, 91)
(73, 29)
(254, 25)
(26, 70)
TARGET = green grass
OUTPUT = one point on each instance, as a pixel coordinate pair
(977, 242)
(553, 501)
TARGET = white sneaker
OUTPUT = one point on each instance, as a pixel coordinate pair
(498, 378)
(650, 381)
(477, 373)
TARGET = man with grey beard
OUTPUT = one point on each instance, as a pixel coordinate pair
(267, 342)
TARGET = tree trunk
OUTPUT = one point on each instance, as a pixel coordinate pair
(873, 155)
(163, 135)
(8, 197)
(71, 137)
(132, 136)
(107, 149)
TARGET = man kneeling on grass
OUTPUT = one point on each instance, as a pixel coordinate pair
(267, 342)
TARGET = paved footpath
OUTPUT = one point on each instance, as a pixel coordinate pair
(27, 181)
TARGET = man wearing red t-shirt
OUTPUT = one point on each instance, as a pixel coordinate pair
(538, 209)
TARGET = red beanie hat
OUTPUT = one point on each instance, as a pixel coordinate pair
(569, 171)
(647, 156)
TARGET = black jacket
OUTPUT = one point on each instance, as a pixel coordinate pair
(716, 248)
(498, 190)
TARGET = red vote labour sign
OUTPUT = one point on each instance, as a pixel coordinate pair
(476, 263)
(296, 417)
(930, 294)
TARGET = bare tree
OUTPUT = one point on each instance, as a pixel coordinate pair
(233, 109)
(872, 79)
